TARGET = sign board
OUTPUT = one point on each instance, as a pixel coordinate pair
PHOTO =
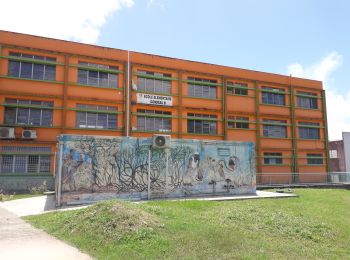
(151, 99)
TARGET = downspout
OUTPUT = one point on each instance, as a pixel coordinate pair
(128, 98)
(60, 165)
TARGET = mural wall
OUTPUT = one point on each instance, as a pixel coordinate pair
(96, 168)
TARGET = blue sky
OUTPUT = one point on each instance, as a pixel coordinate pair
(307, 38)
(254, 34)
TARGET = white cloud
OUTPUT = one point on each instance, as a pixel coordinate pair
(338, 106)
(78, 20)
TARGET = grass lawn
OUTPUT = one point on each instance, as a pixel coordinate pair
(315, 225)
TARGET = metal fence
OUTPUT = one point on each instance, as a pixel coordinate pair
(302, 178)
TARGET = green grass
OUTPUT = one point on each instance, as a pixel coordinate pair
(313, 226)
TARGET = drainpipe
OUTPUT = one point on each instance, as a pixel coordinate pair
(128, 98)
(149, 174)
(59, 189)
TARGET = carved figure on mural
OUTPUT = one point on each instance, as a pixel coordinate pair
(194, 171)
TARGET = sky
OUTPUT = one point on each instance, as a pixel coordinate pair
(305, 38)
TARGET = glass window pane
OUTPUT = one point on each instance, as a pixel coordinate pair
(91, 120)
(22, 115)
(198, 126)
(20, 164)
(35, 115)
(50, 72)
(46, 119)
(113, 80)
(38, 71)
(141, 123)
(7, 163)
(44, 163)
(33, 163)
(14, 68)
(81, 119)
(102, 121)
(10, 115)
(26, 70)
(93, 78)
(141, 84)
(190, 126)
(103, 79)
(190, 90)
(149, 85)
(82, 76)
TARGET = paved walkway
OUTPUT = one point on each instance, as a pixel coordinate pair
(19, 240)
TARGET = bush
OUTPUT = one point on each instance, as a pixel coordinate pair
(5, 197)
(39, 189)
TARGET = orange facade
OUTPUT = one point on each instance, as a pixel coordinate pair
(284, 116)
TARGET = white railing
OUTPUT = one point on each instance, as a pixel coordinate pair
(302, 178)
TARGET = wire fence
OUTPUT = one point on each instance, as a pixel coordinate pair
(302, 178)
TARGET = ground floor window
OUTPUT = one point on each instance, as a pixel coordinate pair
(273, 158)
(25, 159)
(314, 159)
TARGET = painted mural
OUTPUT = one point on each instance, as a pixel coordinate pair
(101, 167)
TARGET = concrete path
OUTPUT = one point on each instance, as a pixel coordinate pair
(259, 195)
(34, 206)
(44, 204)
(19, 240)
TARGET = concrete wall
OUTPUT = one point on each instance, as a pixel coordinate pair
(337, 164)
(104, 167)
(346, 141)
(24, 183)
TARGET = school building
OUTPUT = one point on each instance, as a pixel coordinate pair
(50, 87)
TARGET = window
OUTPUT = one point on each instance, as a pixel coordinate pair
(31, 69)
(309, 130)
(314, 159)
(333, 154)
(153, 84)
(274, 128)
(201, 124)
(152, 120)
(19, 111)
(273, 96)
(273, 158)
(201, 88)
(238, 122)
(307, 100)
(26, 160)
(237, 88)
(98, 75)
(93, 116)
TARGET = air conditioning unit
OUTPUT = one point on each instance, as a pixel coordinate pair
(29, 134)
(7, 133)
(161, 141)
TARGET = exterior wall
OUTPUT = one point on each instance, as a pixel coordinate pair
(96, 168)
(66, 93)
(337, 163)
(24, 184)
(346, 140)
